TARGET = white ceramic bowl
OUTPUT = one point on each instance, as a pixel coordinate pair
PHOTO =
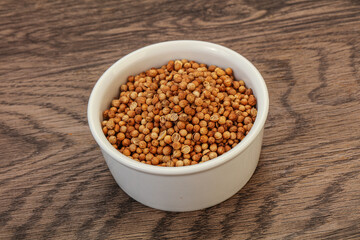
(190, 187)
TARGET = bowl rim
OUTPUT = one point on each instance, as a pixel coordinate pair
(150, 169)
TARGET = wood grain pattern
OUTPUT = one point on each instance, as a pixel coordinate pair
(54, 183)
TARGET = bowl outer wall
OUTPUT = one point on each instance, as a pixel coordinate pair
(107, 88)
(188, 192)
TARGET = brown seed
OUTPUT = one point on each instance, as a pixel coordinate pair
(176, 153)
(167, 139)
(112, 139)
(211, 140)
(233, 116)
(185, 149)
(175, 137)
(205, 158)
(189, 127)
(162, 135)
(178, 64)
(176, 145)
(177, 109)
(212, 155)
(195, 120)
(183, 132)
(247, 120)
(191, 86)
(133, 95)
(213, 147)
(252, 100)
(190, 98)
(203, 138)
(183, 117)
(126, 152)
(197, 148)
(199, 102)
(253, 112)
(152, 72)
(124, 99)
(196, 137)
(126, 142)
(105, 130)
(220, 150)
(205, 152)
(204, 146)
(203, 130)
(142, 144)
(155, 143)
(183, 103)
(215, 117)
(179, 163)
(167, 150)
(226, 135)
(244, 101)
(221, 130)
(174, 117)
(229, 71)
(134, 133)
(133, 106)
(219, 72)
(203, 123)
(222, 120)
(228, 82)
(155, 161)
(218, 135)
(110, 124)
(120, 136)
(149, 157)
(187, 162)
(115, 103)
(154, 135)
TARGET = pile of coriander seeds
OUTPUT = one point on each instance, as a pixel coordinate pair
(180, 114)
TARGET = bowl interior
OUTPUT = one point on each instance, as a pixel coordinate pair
(107, 88)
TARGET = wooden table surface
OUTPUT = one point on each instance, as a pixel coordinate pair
(54, 183)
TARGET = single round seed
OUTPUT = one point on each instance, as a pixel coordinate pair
(205, 158)
(191, 86)
(173, 117)
(187, 162)
(212, 155)
(134, 133)
(218, 135)
(203, 131)
(183, 132)
(135, 141)
(185, 149)
(155, 161)
(176, 153)
(179, 163)
(126, 152)
(176, 145)
(112, 139)
(154, 135)
(167, 150)
(175, 137)
(167, 139)
(222, 120)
